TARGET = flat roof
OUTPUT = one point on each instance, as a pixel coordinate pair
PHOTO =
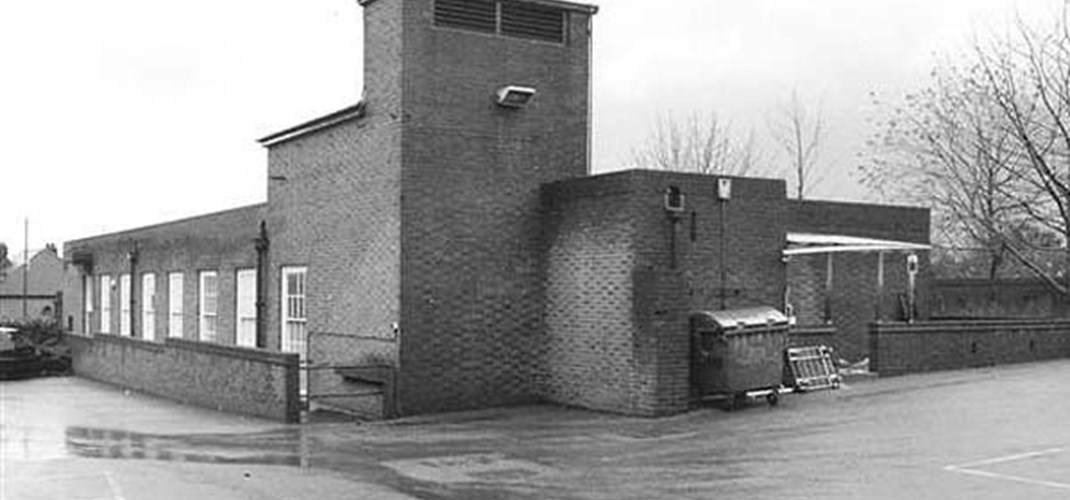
(322, 122)
(561, 4)
(256, 207)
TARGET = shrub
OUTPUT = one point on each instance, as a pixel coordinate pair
(46, 339)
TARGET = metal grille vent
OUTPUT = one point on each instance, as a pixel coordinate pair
(475, 15)
(537, 22)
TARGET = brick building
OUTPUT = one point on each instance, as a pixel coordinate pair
(440, 245)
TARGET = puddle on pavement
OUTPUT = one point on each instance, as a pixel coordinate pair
(285, 446)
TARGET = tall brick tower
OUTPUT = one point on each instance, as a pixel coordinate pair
(416, 212)
(471, 167)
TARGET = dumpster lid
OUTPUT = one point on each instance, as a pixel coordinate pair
(739, 318)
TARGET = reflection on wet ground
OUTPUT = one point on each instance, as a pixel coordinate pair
(275, 447)
(862, 442)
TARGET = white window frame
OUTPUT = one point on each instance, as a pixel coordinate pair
(87, 305)
(208, 306)
(294, 334)
(124, 305)
(293, 302)
(105, 303)
(245, 307)
(148, 306)
(175, 306)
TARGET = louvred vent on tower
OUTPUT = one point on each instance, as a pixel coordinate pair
(532, 21)
(505, 17)
(475, 15)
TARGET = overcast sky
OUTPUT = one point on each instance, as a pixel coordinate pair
(121, 113)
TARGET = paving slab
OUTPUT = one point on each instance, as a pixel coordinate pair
(981, 434)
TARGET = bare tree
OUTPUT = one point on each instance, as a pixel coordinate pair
(799, 131)
(987, 146)
(946, 146)
(5, 263)
(702, 144)
(1028, 76)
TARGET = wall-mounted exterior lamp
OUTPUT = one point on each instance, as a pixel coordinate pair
(515, 96)
(674, 199)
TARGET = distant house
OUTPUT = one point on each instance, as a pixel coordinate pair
(44, 275)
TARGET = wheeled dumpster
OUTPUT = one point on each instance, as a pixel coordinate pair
(738, 353)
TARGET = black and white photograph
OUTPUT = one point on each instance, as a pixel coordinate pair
(535, 249)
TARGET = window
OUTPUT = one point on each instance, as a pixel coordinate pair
(294, 337)
(246, 308)
(512, 19)
(209, 306)
(124, 305)
(105, 304)
(294, 334)
(148, 306)
(174, 305)
(87, 305)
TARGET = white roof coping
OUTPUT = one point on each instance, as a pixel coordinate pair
(812, 243)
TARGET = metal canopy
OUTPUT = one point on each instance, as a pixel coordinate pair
(813, 243)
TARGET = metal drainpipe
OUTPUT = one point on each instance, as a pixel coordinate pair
(133, 257)
(262, 245)
(724, 253)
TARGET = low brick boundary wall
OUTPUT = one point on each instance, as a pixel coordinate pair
(899, 348)
(808, 335)
(233, 379)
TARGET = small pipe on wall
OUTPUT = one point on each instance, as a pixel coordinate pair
(133, 256)
(262, 245)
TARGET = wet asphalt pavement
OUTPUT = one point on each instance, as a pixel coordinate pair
(980, 434)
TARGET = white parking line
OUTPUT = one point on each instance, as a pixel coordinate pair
(1008, 458)
(1007, 477)
(971, 469)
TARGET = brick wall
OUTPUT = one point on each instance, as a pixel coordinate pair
(807, 294)
(859, 219)
(336, 212)
(1005, 298)
(811, 335)
(335, 208)
(624, 275)
(900, 348)
(739, 239)
(471, 285)
(221, 242)
(591, 355)
(246, 381)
